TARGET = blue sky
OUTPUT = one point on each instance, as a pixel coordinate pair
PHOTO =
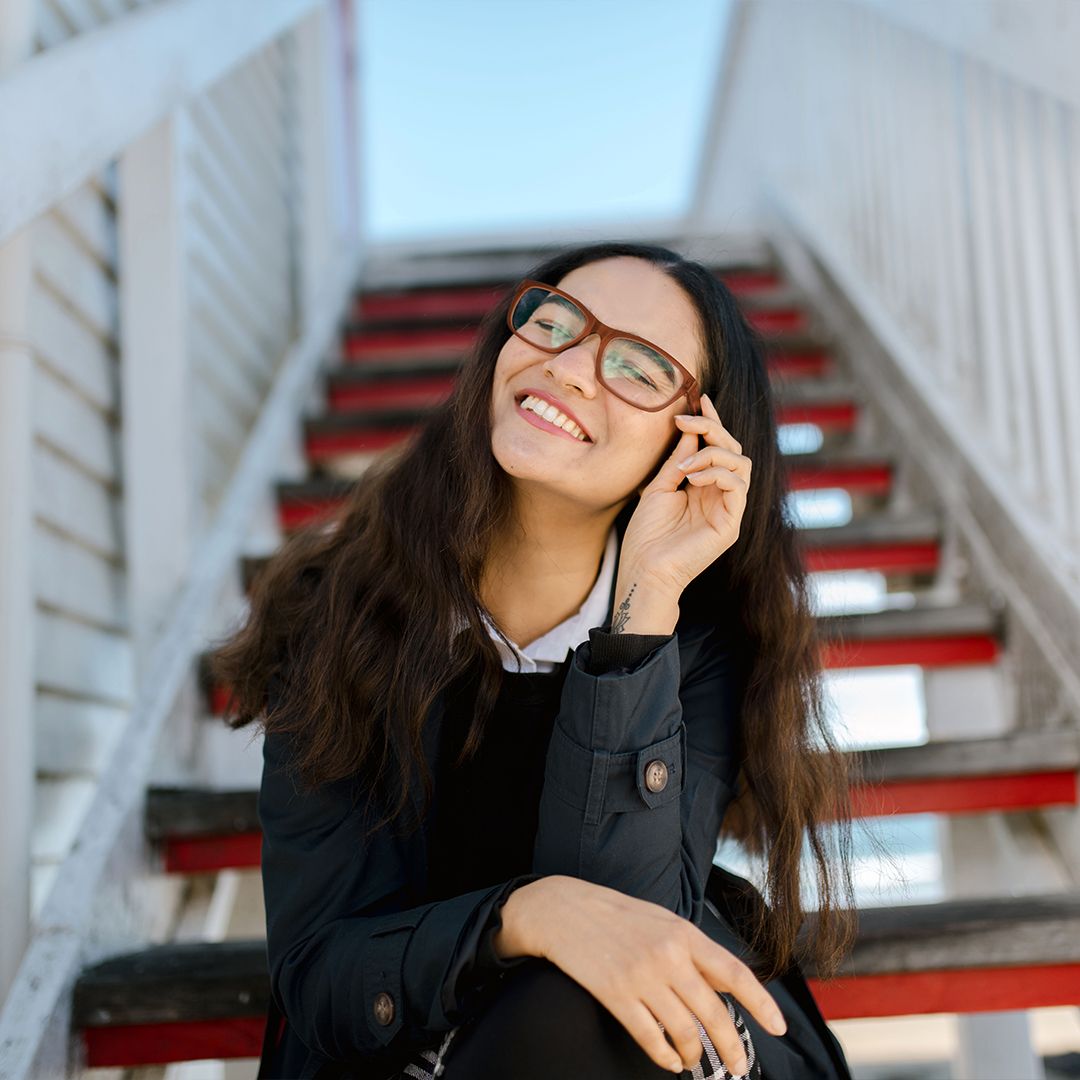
(480, 114)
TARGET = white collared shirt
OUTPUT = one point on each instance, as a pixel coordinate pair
(548, 651)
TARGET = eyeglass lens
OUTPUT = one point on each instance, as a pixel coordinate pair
(628, 368)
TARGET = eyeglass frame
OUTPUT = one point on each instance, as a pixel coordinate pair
(689, 386)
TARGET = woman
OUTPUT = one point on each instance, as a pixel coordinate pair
(586, 637)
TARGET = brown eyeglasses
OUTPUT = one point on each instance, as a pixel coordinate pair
(632, 368)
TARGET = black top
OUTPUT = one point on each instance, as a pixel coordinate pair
(485, 811)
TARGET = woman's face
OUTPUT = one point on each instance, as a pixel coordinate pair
(626, 445)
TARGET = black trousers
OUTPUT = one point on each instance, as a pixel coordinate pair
(543, 1024)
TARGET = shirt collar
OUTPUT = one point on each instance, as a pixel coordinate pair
(550, 649)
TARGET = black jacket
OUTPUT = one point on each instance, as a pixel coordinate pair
(349, 923)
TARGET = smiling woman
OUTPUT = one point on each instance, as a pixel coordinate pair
(516, 693)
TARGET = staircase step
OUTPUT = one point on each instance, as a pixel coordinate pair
(794, 357)
(928, 635)
(800, 360)
(193, 1001)
(890, 544)
(855, 471)
(201, 829)
(430, 339)
(366, 416)
(473, 301)
(375, 387)
(997, 953)
(897, 546)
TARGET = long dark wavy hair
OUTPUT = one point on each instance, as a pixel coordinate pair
(353, 619)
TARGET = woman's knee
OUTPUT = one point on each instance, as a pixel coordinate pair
(540, 1007)
(543, 1023)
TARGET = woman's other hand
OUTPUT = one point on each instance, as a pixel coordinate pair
(643, 963)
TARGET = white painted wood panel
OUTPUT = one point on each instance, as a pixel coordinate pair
(75, 735)
(241, 207)
(82, 660)
(75, 428)
(69, 270)
(67, 347)
(73, 580)
(74, 503)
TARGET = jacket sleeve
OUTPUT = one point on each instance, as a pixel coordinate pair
(625, 705)
(343, 928)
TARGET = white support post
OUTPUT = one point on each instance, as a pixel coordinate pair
(17, 769)
(162, 508)
(16, 604)
(314, 133)
(348, 89)
(325, 94)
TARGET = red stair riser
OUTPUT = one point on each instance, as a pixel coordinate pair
(199, 854)
(887, 558)
(800, 365)
(294, 515)
(425, 393)
(320, 447)
(471, 302)
(750, 281)
(158, 1044)
(966, 795)
(915, 993)
(838, 416)
(921, 651)
(863, 479)
(778, 321)
(388, 343)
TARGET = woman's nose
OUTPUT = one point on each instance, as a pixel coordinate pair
(578, 364)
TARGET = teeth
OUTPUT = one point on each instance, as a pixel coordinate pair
(552, 415)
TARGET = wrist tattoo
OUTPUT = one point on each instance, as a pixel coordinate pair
(622, 616)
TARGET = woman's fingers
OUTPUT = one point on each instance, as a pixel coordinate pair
(715, 433)
(711, 1009)
(715, 455)
(723, 970)
(642, 1025)
(680, 1021)
(718, 474)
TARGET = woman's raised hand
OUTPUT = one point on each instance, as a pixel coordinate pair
(644, 964)
(673, 534)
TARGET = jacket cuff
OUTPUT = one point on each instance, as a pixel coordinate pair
(474, 966)
(487, 958)
(612, 652)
